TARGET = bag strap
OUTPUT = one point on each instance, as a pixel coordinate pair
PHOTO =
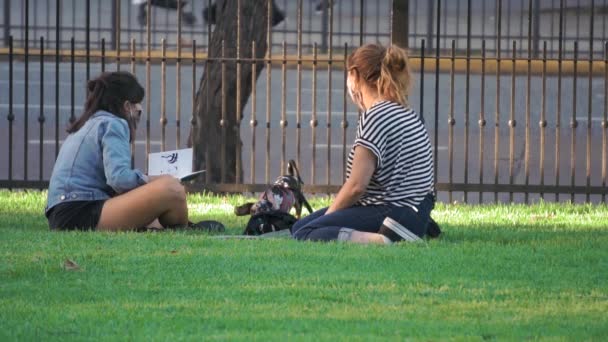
(294, 169)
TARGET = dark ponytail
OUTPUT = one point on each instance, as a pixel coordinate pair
(108, 92)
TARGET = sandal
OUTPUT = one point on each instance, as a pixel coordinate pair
(209, 226)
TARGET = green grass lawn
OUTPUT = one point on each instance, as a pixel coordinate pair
(499, 272)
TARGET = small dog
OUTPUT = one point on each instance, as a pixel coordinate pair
(284, 194)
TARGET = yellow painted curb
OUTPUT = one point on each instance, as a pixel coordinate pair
(446, 65)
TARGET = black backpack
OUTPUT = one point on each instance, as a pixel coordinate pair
(269, 221)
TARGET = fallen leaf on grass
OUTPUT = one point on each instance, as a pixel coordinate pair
(70, 265)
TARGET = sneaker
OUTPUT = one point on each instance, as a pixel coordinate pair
(432, 229)
(396, 232)
(209, 226)
(243, 209)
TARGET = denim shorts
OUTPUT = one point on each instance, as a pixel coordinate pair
(75, 215)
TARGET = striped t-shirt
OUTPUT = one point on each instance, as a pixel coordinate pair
(404, 169)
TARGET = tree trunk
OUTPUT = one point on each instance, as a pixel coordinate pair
(216, 142)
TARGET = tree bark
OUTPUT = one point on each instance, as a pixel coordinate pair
(216, 142)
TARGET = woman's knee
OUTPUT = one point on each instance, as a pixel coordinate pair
(299, 231)
(170, 189)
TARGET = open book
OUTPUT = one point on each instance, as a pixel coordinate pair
(177, 163)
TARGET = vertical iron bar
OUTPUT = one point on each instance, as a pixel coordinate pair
(34, 27)
(512, 123)
(361, 21)
(103, 56)
(299, 86)
(344, 123)
(99, 28)
(26, 91)
(133, 72)
(445, 25)
(324, 25)
(589, 101)
(605, 124)
(451, 121)
(536, 27)
(57, 71)
(467, 100)
(193, 88)
(163, 95)
(437, 54)
(133, 56)
(429, 22)
(497, 117)
(329, 90)
(223, 115)
(254, 121)
(208, 93)
(114, 23)
(313, 120)
(72, 81)
(238, 93)
(543, 118)
(483, 23)
(422, 60)
(573, 122)
(482, 119)
(508, 35)
(457, 28)
(528, 90)
(283, 122)
(11, 115)
(41, 114)
(521, 28)
(148, 79)
(178, 78)
(559, 95)
(7, 22)
(88, 37)
(268, 86)
(117, 34)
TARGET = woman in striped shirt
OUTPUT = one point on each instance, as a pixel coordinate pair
(389, 193)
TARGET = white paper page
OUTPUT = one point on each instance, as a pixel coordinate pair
(177, 163)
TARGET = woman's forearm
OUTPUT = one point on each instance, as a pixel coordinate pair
(348, 195)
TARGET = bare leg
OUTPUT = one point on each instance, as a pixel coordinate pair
(365, 238)
(351, 235)
(164, 199)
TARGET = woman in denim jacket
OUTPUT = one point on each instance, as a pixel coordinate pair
(93, 185)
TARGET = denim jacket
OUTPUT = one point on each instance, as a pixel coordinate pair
(94, 163)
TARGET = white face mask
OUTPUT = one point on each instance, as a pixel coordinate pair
(355, 96)
(135, 115)
(349, 87)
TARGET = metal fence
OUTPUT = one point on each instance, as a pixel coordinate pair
(513, 92)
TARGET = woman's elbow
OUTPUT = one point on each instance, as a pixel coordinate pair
(357, 189)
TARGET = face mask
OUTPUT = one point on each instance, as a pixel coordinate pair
(135, 116)
(355, 96)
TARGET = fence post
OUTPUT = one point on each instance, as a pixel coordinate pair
(536, 28)
(324, 25)
(7, 21)
(400, 23)
(114, 25)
